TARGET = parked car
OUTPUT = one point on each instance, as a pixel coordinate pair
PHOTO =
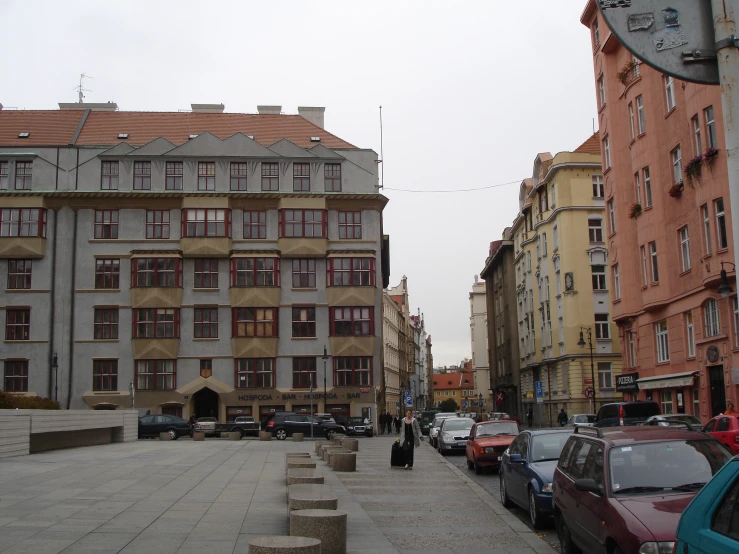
(284, 424)
(435, 424)
(672, 419)
(425, 420)
(151, 425)
(494, 416)
(527, 470)
(246, 425)
(357, 426)
(619, 414)
(581, 419)
(709, 522)
(454, 434)
(725, 428)
(206, 425)
(622, 490)
(328, 418)
(488, 441)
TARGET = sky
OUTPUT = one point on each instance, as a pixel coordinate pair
(470, 93)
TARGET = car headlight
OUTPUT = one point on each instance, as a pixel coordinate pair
(656, 548)
(548, 488)
(448, 437)
(489, 450)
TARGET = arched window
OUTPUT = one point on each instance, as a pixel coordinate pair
(710, 309)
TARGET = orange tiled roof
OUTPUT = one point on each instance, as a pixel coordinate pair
(590, 146)
(453, 381)
(47, 127)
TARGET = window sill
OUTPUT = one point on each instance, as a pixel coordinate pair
(666, 362)
(602, 107)
(304, 338)
(616, 301)
(722, 251)
(714, 338)
(26, 290)
(690, 358)
(195, 289)
(671, 111)
(644, 287)
(307, 289)
(206, 339)
(655, 284)
(685, 272)
(648, 208)
(640, 135)
(631, 143)
(9, 341)
(606, 170)
(105, 340)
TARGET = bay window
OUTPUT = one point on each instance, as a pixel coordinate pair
(352, 371)
(254, 322)
(303, 223)
(156, 374)
(255, 373)
(352, 321)
(156, 323)
(156, 272)
(255, 272)
(351, 272)
(206, 222)
(22, 222)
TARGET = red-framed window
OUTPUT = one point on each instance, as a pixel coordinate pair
(109, 176)
(106, 323)
(206, 175)
(304, 274)
(332, 177)
(156, 374)
(19, 274)
(106, 224)
(352, 370)
(107, 273)
(304, 321)
(156, 272)
(304, 372)
(141, 175)
(255, 224)
(238, 176)
(206, 222)
(157, 224)
(4, 175)
(303, 223)
(173, 176)
(156, 323)
(255, 272)
(206, 322)
(206, 273)
(254, 373)
(301, 177)
(351, 272)
(350, 225)
(355, 321)
(105, 375)
(254, 322)
(23, 222)
(15, 376)
(17, 323)
(23, 175)
(270, 176)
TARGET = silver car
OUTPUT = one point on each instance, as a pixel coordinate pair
(586, 420)
(673, 419)
(454, 434)
(434, 429)
(207, 425)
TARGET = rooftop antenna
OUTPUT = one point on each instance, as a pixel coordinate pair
(382, 155)
(80, 90)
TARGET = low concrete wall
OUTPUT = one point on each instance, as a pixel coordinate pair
(15, 434)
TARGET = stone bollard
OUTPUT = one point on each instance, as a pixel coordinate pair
(165, 436)
(234, 436)
(265, 436)
(309, 497)
(300, 463)
(351, 444)
(338, 438)
(329, 526)
(297, 455)
(298, 437)
(344, 461)
(304, 476)
(326, 452)
(332, 455)
(198, 436)
(318, 446)
(284, 545)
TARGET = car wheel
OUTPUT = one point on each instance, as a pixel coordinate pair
(504, 499)
(534, 516)
(617, 550)
(172, 434)
(470, 464)
(330, 434)
(281, 434)
(566, 546)
(478, 468)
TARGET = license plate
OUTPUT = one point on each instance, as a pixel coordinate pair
(500, 458)
(460, 444)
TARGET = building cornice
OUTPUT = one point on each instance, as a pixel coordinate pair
(565, 165)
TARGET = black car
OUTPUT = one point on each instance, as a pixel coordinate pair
(357, 426)
(152, 425)
(619, 414)
(284, 424)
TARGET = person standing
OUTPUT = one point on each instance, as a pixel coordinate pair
(397, 423)
(389, 423)
(381, 421)
(410, 433)
(730, 409)
(562, 418)
(530, 417)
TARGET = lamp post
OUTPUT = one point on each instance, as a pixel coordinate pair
(479, 404)
(724, 288)
(581, 344)
(325, 359)
(55, 369)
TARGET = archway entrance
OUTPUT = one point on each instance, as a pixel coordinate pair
(205, 403)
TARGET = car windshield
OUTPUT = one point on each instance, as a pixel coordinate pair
(670, 465)
(548, 447)
(438, 420)
(356, 421)
(458, 424)
(498, 428)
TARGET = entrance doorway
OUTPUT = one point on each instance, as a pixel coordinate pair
(718, 389)
(205, 402)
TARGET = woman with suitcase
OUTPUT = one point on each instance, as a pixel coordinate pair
(410, 437)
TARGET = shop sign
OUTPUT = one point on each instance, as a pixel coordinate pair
(364, 390)
(300, 396)
(627, 382)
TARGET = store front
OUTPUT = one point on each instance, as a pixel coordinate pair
(673, 392)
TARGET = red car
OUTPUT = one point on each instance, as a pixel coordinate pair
(488, 440)
(725, 428)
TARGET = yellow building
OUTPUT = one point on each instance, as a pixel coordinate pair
(561, 259)
(459, 387)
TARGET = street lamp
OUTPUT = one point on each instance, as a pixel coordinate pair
(55, 369)
(325, 359)
(724, 288)
(581, 344)
(480, 402)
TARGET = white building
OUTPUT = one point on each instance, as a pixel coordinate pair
(479, 341)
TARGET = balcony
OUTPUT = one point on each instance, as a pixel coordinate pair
(352, 346)
(156, 297)
(155, 349)
(351, 296)
(22, 247)
(254, 347)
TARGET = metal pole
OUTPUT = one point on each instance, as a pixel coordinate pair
(592, 368)
(311, 405)
(325, 357)
(549, 391)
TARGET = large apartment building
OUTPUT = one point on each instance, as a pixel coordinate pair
(201, 262)
(479, 342)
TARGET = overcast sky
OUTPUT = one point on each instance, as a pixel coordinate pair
(471, 92)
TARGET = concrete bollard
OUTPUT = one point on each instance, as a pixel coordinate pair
(265, 436)
(234, 436)
(165, 436)
(318, 446)
(198, 436)
(329, 526)
(351, 444)
(332, 455)
(298, 437)
(283, 545)
(344, 461)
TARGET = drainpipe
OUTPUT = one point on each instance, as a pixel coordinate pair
(52, 300)
(71, 317)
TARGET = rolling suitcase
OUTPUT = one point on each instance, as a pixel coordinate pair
(397, 456)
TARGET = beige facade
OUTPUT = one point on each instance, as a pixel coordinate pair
(393, 341)
(479, 343)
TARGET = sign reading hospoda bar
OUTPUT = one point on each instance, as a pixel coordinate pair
(298, 396)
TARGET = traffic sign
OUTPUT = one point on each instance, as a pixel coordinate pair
(589, 392)
(464, 403)
(539, 392)
(408, 399)
(499, 397)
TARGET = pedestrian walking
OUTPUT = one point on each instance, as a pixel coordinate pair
(530, 417)
(397, 423)
(389, 423)
(730, 409)
(562, 418)
(410, 437)
(381, 421)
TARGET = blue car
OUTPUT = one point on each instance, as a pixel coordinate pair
(527, 470)
(710, 523)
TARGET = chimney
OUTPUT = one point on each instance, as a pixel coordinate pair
(269, 110)
(207, 108)
(101, 107)
(314, 115)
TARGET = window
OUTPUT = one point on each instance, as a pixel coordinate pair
(255, 373)
(645, 275)
(631, 338)
(270, 176)
(156, 323)
(4, 175)
(206, 323)
(157, 224)
(735, 309)
(665, 399)
(22, 222)
(332, 177)
(23, 175)
(206, 368)
(304, 321)
(106, 224)
(304, 372)
(725, 521)
(602, 327)
(206, 273)
(710, 128)
(543, 244)
(647, 187)
(697, 135)
(721, 237)
(301, 177)
(605, 375)
(173, 178)
(598, 186)
(616, 282)
(663, 344)
(528, 259)
(684, 247)
(106, 323)
(350, 225)
(17, 323)
(351, 272)
(710, 309)
(553, 195)
(706, 227)
(599, 277)
(15, 378)
(640, 113)
(107, 273)
(206, 223)
(109, 176)
(206, 176)
(612, 215)
(669, 91)
(304, 274)
(356, 321)
(254, 322)
(653, 257)
(354, 370)
(19, 274)
(595, 229)
(632, 125)
(255, 225)
(556, 238)
(238, 176)
(105, 375)
(156, 374)
(677, 165)
(690, 332)
(596, 32)
(142, 175)
(156, 272)
(255, 272)
(607, 152)
(303, 223)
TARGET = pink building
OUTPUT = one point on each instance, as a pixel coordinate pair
(669, 226)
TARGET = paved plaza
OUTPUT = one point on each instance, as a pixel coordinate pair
(215, 496)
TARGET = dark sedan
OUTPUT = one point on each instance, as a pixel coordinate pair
(152, 425)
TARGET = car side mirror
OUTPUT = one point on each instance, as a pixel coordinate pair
(516, 459)
(588, 485)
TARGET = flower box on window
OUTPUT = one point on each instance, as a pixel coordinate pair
(676, 190)
(693, 168)
(635, 211)
(710, 155)
(628, 72)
